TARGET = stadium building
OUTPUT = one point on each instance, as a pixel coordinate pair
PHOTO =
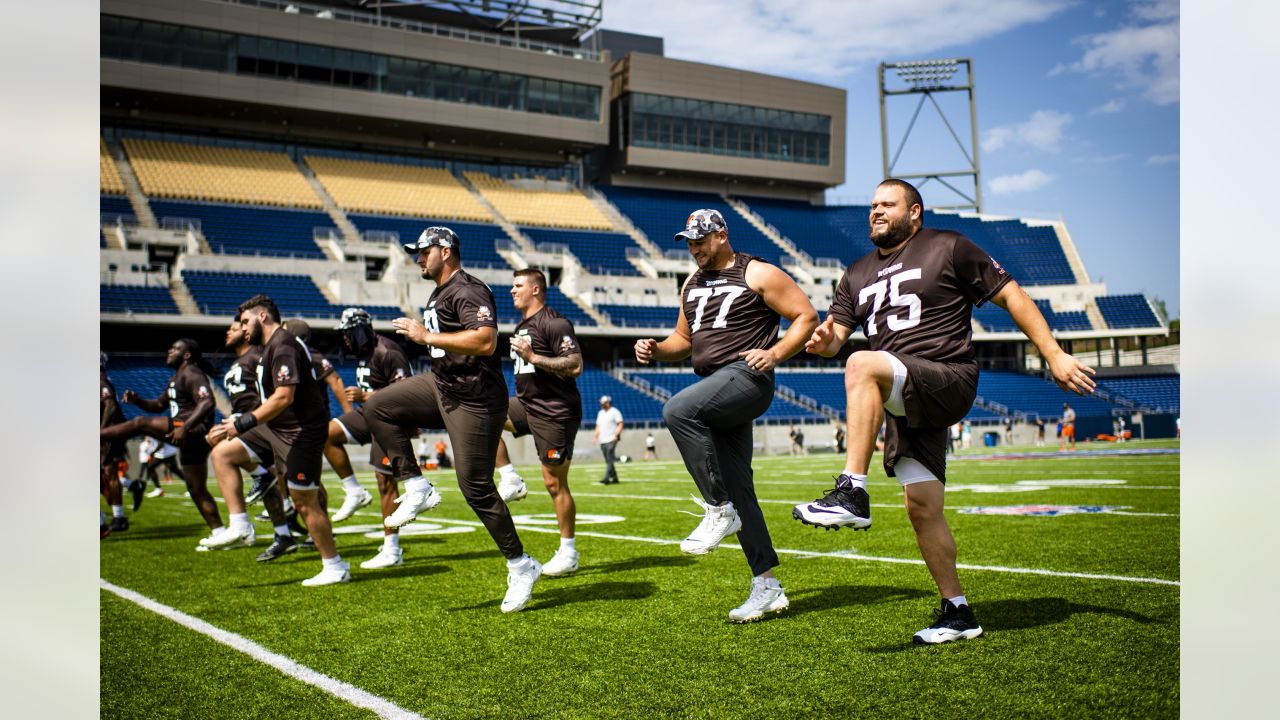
(290, 147)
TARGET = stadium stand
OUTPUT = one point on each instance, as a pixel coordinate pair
(636, 407)
(640, 317)
(220, 293)
(108, 174)
(114, 206)
(781, 411)
(600, 253)
(477, 238)
(545, 208)
(146, 376)
(136, 299)
(1127, 311)
(1158, 392)
(205, 172)
(396, 189)
(1034, 396)
(838, 232)
(660, 214)
(996, 319)
(244, 230)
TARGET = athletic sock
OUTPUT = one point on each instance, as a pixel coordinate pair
(334, 562)
(416, 484)
(259, 471)
(958, 600)
(513, 563)
(508, 472)
(855, 479)
(391, 541)
(349, 483)
(239, 521)
(566, 543)
(772, 582)
(117, 511)
(283, 531)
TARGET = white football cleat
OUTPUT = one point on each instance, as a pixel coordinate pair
(718, 522)
(330, 576)
(412, 503)
(512, 490)
(565, 561)
(228, 538)
(158, 492)
(355, 500)
(386, 557)
(764, 598)
(520, 582)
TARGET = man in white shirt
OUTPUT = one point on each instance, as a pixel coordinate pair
(608, 430)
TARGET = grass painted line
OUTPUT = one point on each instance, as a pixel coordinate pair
(341, 690)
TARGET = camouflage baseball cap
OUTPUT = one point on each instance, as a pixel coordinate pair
(435, 235)
(700, 223)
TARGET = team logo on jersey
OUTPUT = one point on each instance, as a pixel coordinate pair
(997, 266)
(202, 392)
(483, 313)
(553, 454)
(282, 375)
(566, 344)
(105, 393)
(398, 374)
(324, 363)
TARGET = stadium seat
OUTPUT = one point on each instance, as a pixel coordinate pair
(189, 171)
(477, 239)
(244, 230)
(220, 293)
(109, 181)
(1161, 393)
(1127, 311)
(600, 253)
(544, 208)
(136, 299)
(780, 411)
(384, 188)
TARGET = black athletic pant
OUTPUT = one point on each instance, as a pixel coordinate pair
(149, 471)
(711, 423)
(610, 472)
(416, 402)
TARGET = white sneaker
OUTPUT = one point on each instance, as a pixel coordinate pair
(565, 561)
(386, 557)
(158, 492)
(718, 522)
(330, 576)
(520, 585)
(201, 546)
(230, 538)
(763, 599)
(512, 490)
(412, 503)
(355, 500)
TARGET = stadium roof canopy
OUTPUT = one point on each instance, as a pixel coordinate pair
(561, 21)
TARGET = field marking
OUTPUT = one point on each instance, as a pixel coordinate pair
(343, 691)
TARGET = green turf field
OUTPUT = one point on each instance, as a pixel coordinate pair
(1080, 611)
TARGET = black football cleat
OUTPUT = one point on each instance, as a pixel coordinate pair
(281, 545)
(843, 506)
(952, 623)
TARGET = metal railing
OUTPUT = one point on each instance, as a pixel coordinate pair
(180, 224)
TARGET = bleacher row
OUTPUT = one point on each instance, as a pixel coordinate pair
(1027, 394)
(256, 202)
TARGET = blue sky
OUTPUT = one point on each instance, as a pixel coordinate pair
(1077, 104)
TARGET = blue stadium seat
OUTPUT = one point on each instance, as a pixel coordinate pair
(601, 253)
(220, 293)
(136, 299)
(640, 317)
(147, 376)
(251, 230)
(635, 407)
(556, 299)
(1035, 396)
(1159, 392)
(477, 238)
(115, 206)
(1127, 311)
(780, 411)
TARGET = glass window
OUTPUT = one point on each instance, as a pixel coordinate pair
(315, 64)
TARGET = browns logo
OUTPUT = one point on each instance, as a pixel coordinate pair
(567, 343)
(283, 374)
(483, 313)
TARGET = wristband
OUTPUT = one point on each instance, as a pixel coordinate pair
(245, 422)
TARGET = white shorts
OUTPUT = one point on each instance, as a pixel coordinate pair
(907, 470)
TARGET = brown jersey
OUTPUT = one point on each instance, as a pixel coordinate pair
(320, 364)
(545, 394)
(285, 361)
(474, 382)
(241, 381)
(919, 300)
(109, 410)
(387, 363)
(188, 387)
(726, 316)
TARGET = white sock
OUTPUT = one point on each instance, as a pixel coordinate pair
(239, 521)
(416, 484)
(349, 483)
(283, 531)
(517, 562)
(858, 480)
(117, 511)
(508, 472)
(288, 504)
(566, 543)
(334, 562)
(391, 541)
(258, 471)
(772, 582)
(958, 600)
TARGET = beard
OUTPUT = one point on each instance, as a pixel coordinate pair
(255, 334)
(898, 231)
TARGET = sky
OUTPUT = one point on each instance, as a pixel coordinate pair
(1077, 105)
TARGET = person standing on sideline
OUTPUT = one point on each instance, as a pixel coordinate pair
(1068, 433)
(914, 296)
(608, 430)
(731, 309)
(464, 393)
(1008, 430)
(838, 436)
(650, 447)
(966, 435)
(1039, 431)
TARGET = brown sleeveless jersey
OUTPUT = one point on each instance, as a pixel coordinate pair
(726, 316)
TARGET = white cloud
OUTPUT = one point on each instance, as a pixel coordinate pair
(1042, 131)
(1163, 159)
(1102, 159)
(1142, 56)
(820, 41)
(1025, 182)
(1113, 105)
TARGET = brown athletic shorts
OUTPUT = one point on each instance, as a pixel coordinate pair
(936, 396)
(357, 431)
(553, 438)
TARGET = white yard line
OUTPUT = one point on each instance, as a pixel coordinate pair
(341, 690)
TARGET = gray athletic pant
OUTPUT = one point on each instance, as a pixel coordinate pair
(711, 423)
(610, 472)
(415, 402)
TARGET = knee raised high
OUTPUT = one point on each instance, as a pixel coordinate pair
(858, 369)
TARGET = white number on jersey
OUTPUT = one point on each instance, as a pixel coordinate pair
(704, 294)
(892, 286)
(362, 377)
(523, 367)
(432, 321)
(173, 400)
(233, 381)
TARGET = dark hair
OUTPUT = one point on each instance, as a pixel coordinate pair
(197, 356)
(262, 301)
(534, 273)
(299, 328)
(913, 195)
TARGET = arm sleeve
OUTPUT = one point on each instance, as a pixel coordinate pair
(843, 306)
(979, 275)
(322, 366)
(395, 365)
(476, 309)
(285, 366)
(562, 339)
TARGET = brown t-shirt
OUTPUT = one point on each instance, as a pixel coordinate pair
(241, 381)
(546, 394)
(474, 382)
(387, 363)
(188, 387)
(109, 410)
(285, 361)
(919, 300)
(726, 316)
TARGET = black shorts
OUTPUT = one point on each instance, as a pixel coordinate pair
(552, 438)
(936, 396)
(113, 452)
(194, 449)
(259, 445)
(301, 453)
(356, 428)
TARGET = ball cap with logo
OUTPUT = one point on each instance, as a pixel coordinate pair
(605, 398)
(700, 223)
(435, 235)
